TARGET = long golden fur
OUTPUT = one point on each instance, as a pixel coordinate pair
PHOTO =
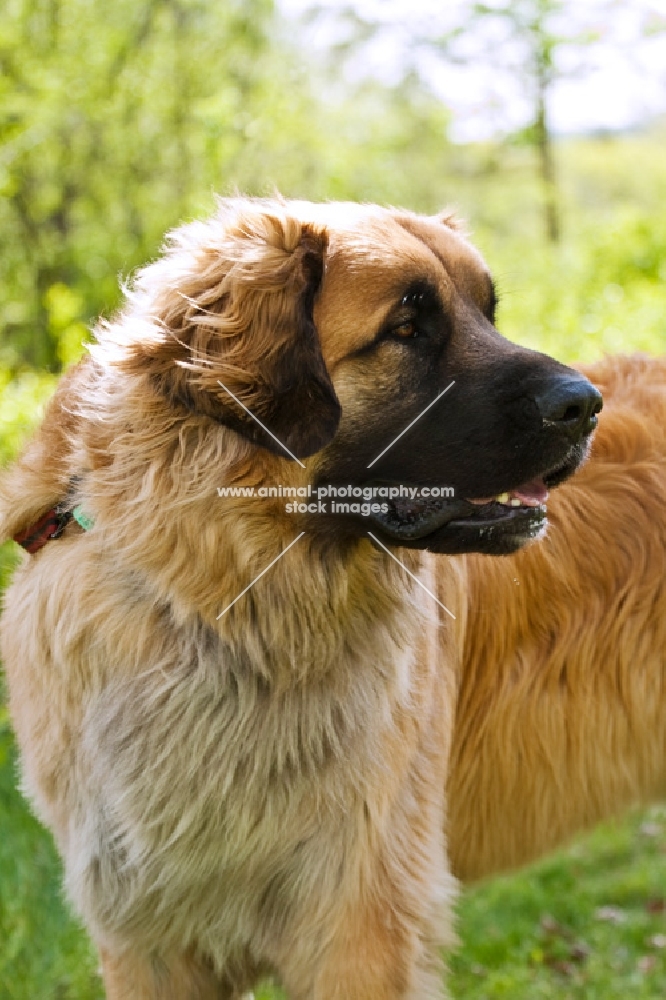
(286, 813)
(561, 719)
(263, 791)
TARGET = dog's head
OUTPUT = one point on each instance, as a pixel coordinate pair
(226, 327)
(333, 331)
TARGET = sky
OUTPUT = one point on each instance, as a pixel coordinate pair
(619, 83)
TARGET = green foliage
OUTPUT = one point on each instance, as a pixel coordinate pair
(110, 137)
(116, 120)
(603, 294)
(602, 289)
(22, 402)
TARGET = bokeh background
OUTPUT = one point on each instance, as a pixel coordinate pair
(544, 124)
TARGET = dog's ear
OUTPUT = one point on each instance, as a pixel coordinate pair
(228, 312)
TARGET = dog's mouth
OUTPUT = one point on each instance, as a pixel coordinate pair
(408, 519)
(499, 523)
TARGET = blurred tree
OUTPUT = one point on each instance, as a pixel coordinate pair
(113, 120)
(532, 38)
(539, 42)
(517, 34)
(528, 46)
(118, 121)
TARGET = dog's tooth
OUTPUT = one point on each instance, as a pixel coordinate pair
(502, 498)
(515, 502)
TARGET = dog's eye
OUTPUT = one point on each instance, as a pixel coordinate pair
(406, 330)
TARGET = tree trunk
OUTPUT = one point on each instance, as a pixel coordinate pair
(544, 144)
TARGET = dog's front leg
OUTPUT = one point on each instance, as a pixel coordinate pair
(378, 926)
(376, 953)
(131, 977)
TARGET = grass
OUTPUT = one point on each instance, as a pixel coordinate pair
(44, 954)
(588, 922)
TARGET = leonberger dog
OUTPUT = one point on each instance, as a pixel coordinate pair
(561, 719)
(236, 719)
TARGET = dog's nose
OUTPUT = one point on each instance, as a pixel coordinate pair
(572, 403)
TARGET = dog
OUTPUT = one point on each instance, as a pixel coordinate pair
(560, 720)
(235, 719)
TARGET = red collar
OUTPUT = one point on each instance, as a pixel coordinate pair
(51, 525)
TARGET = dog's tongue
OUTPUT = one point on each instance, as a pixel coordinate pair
(531, 494)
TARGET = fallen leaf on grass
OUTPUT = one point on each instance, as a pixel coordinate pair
(580, 952)
(564, 968)
(550, 925)
(612, 914)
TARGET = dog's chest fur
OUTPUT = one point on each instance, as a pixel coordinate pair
(213, 800)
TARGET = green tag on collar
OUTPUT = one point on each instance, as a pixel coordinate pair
(82, 518)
